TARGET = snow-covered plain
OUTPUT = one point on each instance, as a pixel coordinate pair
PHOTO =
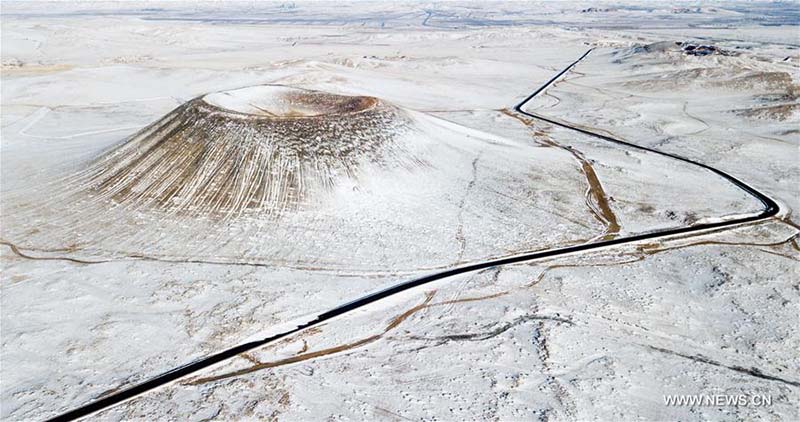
(107, 284)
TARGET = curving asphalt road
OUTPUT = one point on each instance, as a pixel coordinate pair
(770, 209)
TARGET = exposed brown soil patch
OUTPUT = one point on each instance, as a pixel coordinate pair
(780, 112)
(596, 198)
(737, 79)
(324, 103)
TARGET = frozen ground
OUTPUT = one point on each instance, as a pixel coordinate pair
(115, 269)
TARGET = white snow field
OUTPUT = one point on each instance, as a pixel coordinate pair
(179, 178)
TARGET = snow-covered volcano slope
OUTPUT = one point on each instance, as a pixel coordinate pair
(272, 174)
(254, 152)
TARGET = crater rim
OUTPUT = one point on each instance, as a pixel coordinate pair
(281, 102)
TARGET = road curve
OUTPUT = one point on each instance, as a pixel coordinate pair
(770, 209)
